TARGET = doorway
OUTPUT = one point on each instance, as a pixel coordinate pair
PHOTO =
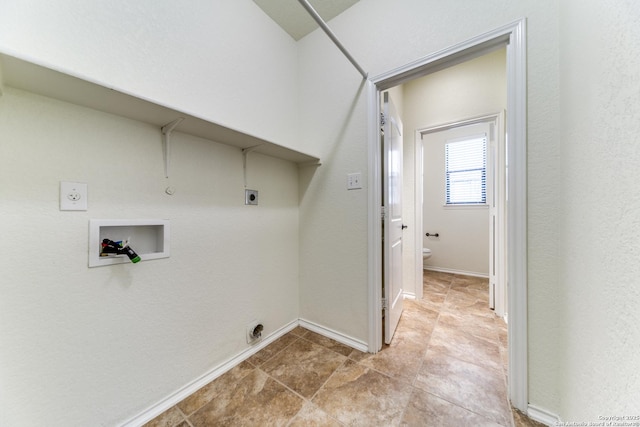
(471, 232)
(512, 37)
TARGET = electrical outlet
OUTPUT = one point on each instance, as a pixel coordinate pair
(250, 197)
(73, 196)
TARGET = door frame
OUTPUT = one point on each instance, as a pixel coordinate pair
(513, 36)
(496, 172)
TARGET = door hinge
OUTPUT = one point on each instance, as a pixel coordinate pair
(383, 213)
(384, 304)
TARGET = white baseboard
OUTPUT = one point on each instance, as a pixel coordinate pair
(542, 416)
(334, 335)
(190, 388)
(452, 271)
(409, 295)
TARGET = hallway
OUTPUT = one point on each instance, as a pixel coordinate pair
(446, 367)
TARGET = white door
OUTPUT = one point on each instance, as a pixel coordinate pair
(392, 222)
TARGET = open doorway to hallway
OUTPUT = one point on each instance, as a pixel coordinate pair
(455, 216)
(439, 107)
(511, 36)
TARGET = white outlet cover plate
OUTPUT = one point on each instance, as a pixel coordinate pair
(73, 196)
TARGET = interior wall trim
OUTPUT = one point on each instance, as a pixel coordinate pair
(195, 385)
(542, 416)
(334, 335)
(188, 389)
(461, 272)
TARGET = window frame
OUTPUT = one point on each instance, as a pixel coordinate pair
(484, 202)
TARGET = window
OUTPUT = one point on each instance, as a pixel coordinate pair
(466, 171)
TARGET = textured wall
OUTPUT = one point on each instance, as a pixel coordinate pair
(383, 36)
(223, 60)
(96, 346)
(600, 69)
(582, 317)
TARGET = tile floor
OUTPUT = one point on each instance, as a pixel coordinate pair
(446, 366)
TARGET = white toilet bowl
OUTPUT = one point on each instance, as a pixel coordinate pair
(426, 254)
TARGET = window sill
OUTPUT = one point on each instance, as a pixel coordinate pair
(467, 206)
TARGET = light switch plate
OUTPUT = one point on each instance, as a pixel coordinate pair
(73, 196)
(354, 181)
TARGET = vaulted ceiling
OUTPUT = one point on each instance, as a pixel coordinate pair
(295, 20)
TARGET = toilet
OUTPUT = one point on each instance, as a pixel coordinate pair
(426, 254)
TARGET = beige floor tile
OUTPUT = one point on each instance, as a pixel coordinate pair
(303, 366)
(470, 282)
(299, 331)
(417, 321)
(438, 277)
(272, 349)
(473, 387)
(420, 310)
(468, 303)
(172, 417)
(207, 393)
(425, 409)
(401, 359)
(504, 356)
(397, 362)
(433, 300)
(502, 333)
(256, 400)
(446, 366)
(358, 396)
(465, 346)
(480, 326)
(344, 350)
(312, 416)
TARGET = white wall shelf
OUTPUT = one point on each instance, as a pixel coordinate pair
(149, 238)
(58, 84)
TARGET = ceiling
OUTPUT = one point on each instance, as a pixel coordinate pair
(295, 20)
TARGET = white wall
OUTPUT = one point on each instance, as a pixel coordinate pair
(600, 152)
(462, 244)
(582, 316)
(471, 89)
(223, 60)
(97, 346)
(333, 116)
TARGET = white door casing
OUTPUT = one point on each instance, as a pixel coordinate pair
(392, 222)
(497, 216)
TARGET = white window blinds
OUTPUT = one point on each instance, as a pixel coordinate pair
(466, 171)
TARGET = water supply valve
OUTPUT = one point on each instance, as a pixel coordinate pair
(119, 248)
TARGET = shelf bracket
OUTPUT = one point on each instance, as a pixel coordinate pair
(245, 153)
(166, 142)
